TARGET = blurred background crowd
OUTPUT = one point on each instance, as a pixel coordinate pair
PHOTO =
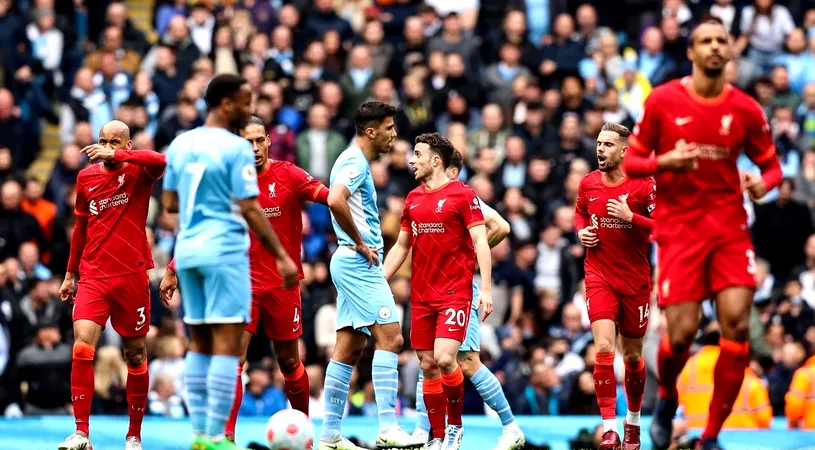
(521, 88)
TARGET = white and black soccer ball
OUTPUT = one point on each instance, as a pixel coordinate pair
(290, 429)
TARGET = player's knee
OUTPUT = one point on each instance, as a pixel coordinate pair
(393, 344)
(135, 357)
(470, 362)
(603, 344)
(287, 364)
(446, 362)
(632, 357)
(428, 364)
(735, 328)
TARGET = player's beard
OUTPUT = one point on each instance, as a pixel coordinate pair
(713, 72)
(610, 165)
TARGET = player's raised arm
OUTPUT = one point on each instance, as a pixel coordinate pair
(761, 150)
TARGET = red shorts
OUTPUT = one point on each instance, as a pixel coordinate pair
(280, 311)
(125, 299)
(630, 312)
(429, 322)
(692, 270)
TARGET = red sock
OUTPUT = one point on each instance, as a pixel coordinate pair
(454, 390)
(436, 404)
(82, 385)
(634, 385)
(138, 384)
(669, 366)
(297, 388)
(728, 376)
(605, 385)
(229, 430)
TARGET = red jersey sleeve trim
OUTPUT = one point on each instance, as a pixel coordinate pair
(765, 155)
(404, 228)
(476, 223)
(636, 145)
(80, 213)
(320, 194)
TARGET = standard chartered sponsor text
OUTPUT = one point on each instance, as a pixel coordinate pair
(272, 212)
(431, 227)
(613, 222)
(116, 200)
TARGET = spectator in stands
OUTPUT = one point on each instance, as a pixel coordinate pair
(110, 376)
(12, 133)
(164, 400)
(16, 225)
(45, 367)
(128, 60)
(133, 38)
(261, 397)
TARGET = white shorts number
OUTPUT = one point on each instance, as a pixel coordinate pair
(296, 315)
(455, 317)
(644, 311)
(142, 319)
(752, 268)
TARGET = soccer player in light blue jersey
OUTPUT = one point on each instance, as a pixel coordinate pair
(365, 304)
(469, 357)
(208, 170)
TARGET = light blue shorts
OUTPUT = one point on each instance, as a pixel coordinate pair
(363, 295)
(472, 341)
(216, 294)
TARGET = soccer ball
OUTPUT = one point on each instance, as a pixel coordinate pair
(290, 429)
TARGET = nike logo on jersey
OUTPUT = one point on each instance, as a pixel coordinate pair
(413, 206)
(643, 324)
(591, 199)
(140, 327)
(683, 121)
(452, 330)
(91, 189)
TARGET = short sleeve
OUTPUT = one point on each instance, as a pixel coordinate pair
(243, 176)
(170, 182)
(650, 200)
(405, 220)
(485, 208)
(81, 206)
(351, 173)
(759, 145)
(470, 208)
(645, 137)
(306, 186)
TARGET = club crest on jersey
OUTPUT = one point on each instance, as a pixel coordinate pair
(121, 180)
(273, 190)
(476, 205)
(727, 120)
(439, 206)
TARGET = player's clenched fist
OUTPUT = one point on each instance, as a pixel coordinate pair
(169, 283)
(619, 210)
(754, 185)
(66, 291)
(681, 159)
(588, 236)
(98, 153)
(288, 271)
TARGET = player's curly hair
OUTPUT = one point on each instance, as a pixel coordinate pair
(371, 114)
(439, 145)
(457, 160)
(621, 130)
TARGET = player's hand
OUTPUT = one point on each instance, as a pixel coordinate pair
(588, 236)
(66, 291)
(619, 210)
(681, 159)
(168, 286)
(98, 153)
(371, 255)
(485, 304)
(288, 271)
(754, 185)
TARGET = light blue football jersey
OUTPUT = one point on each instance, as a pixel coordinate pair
(353, 171)
(210, 168)
(485, 209)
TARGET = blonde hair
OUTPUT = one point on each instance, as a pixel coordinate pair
(110, 369)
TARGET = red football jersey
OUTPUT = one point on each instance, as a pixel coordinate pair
(282, 187)
(116, 204)
(620, 259)
(709, 200)
(443, 261)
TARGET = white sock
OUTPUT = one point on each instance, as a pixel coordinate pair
(610, 424)
(632, 418)
(422, 435)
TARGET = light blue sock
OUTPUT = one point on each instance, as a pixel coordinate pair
(337, 378)
(421, 417)
(220, 392)
(196, 366)
(493, 394)
(386, 383)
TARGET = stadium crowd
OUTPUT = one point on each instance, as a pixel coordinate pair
(521, 88)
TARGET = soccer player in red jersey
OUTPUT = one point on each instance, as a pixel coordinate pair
(109, 251)
(697, 127)
(443, 224)
(283, 188)
(612, 221)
